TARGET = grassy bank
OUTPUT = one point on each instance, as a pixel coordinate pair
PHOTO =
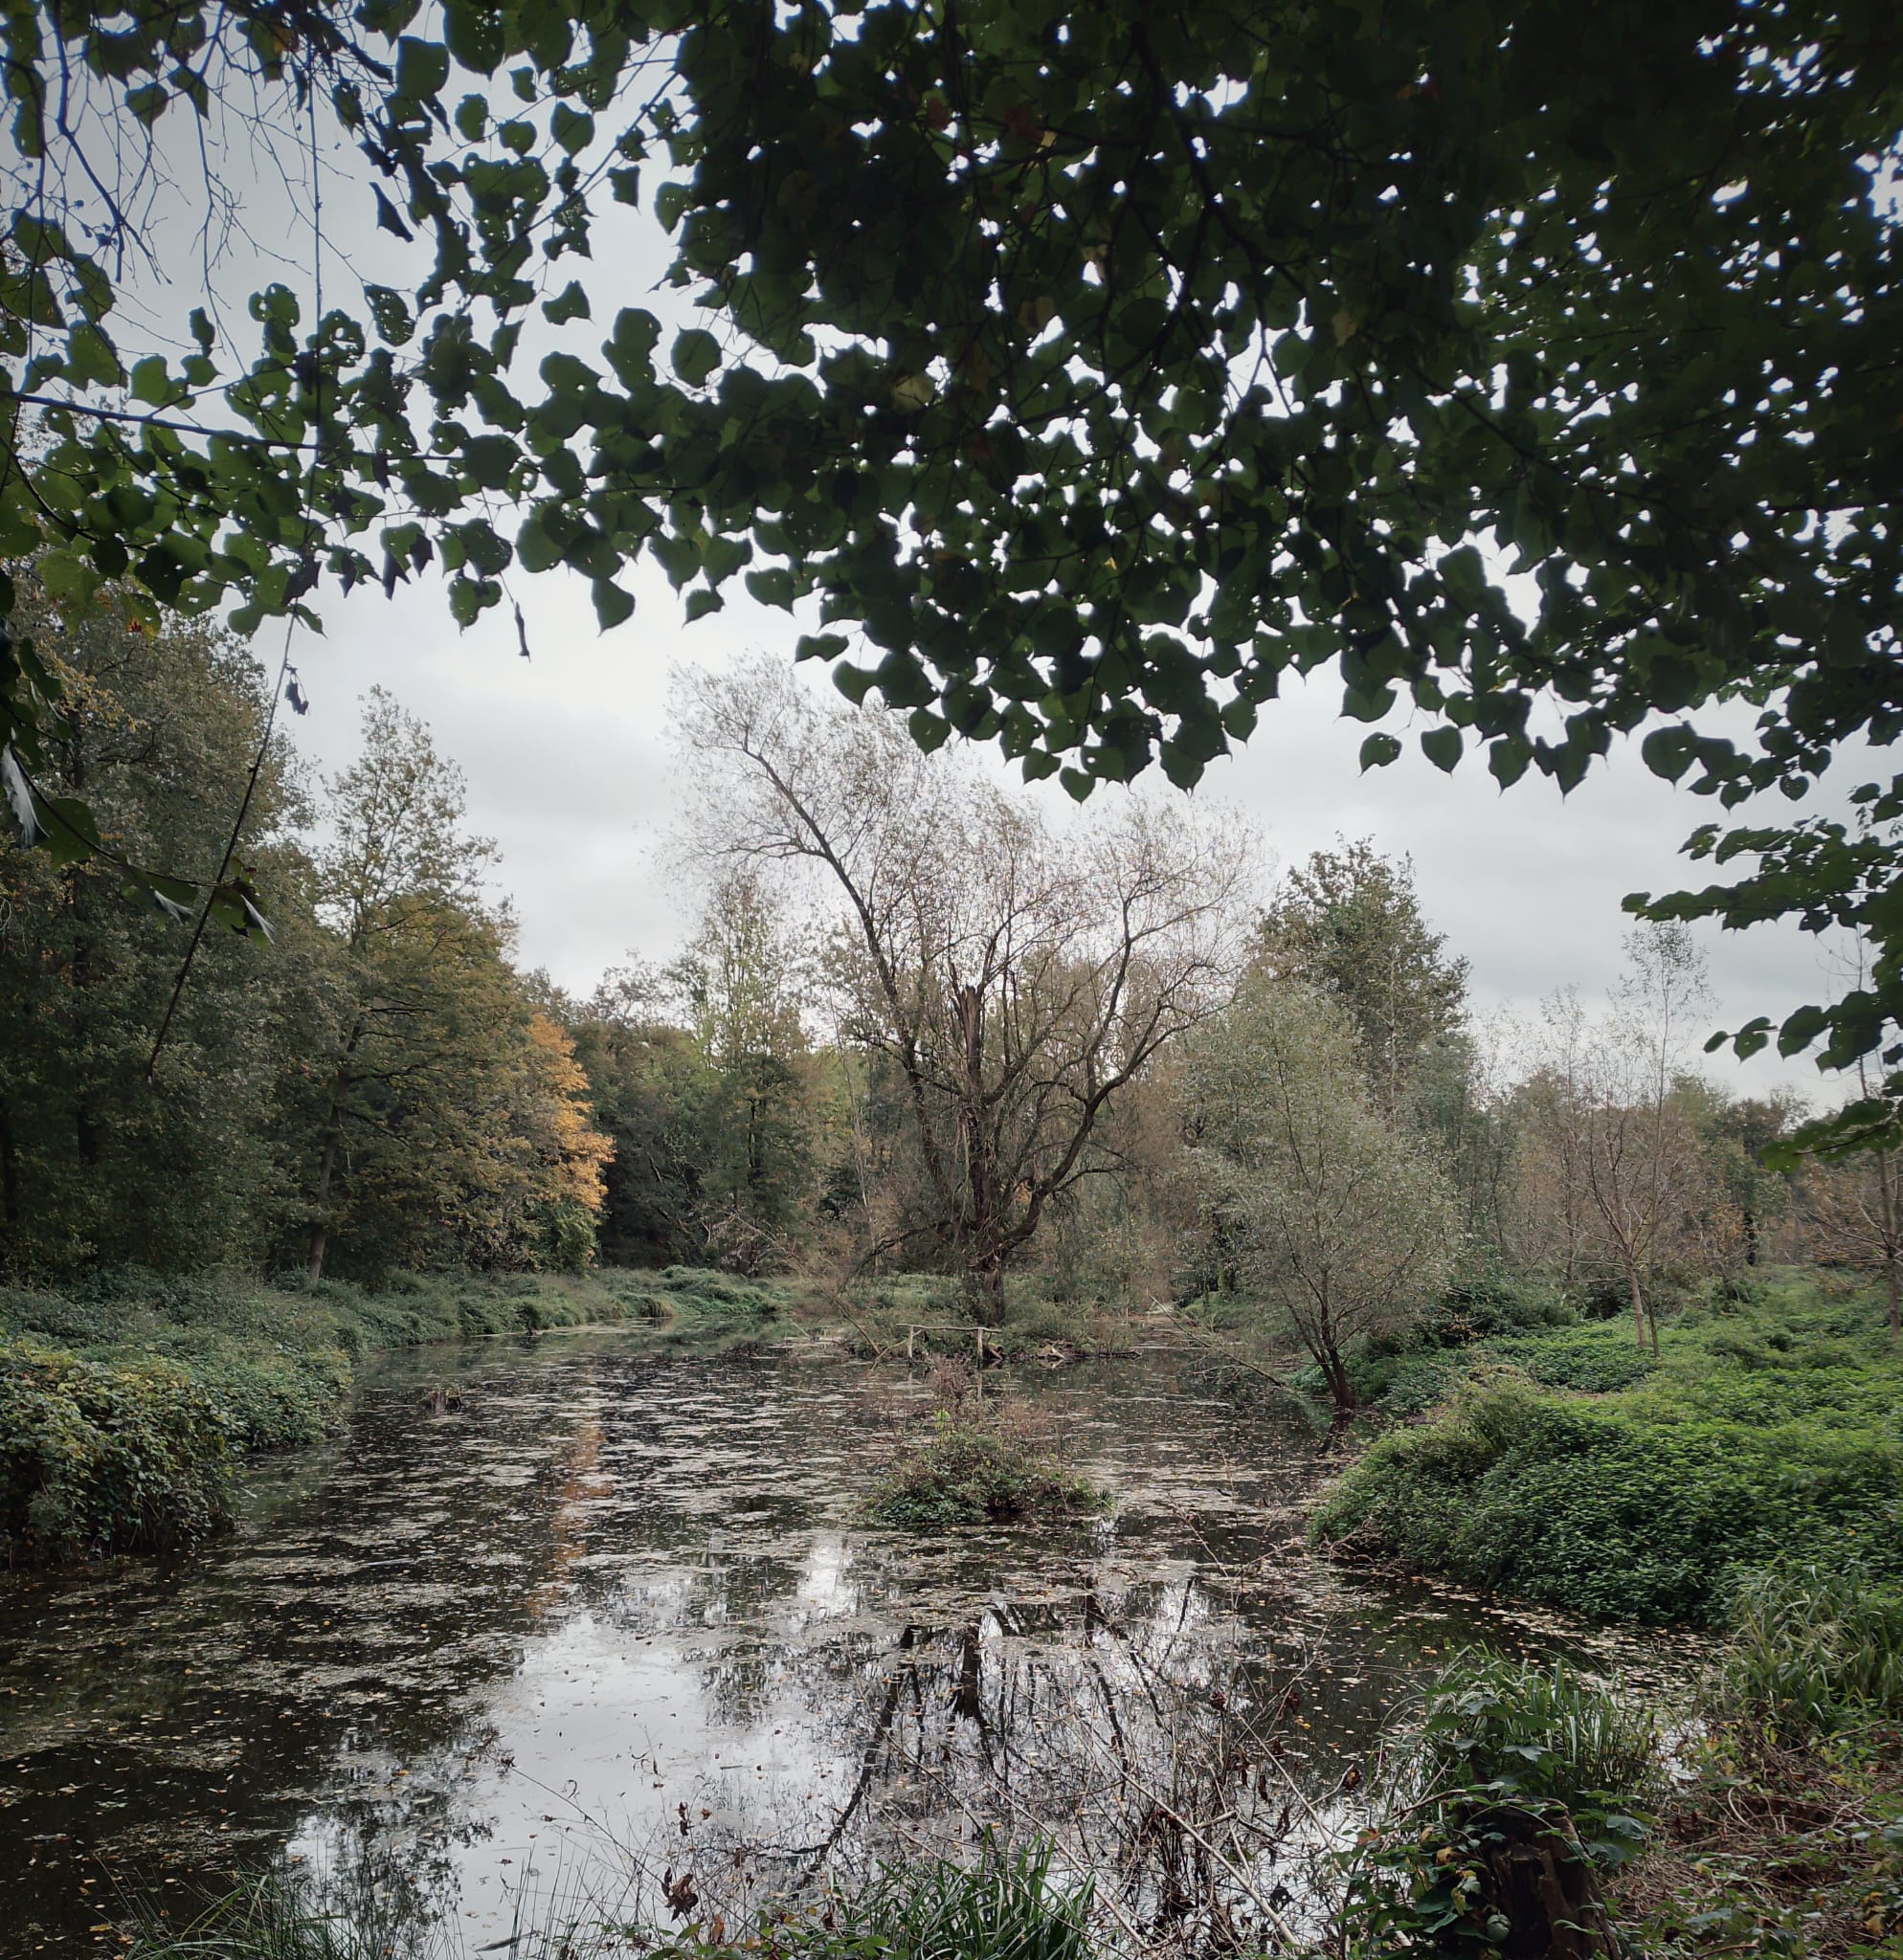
(1568, 1469)
(126, 1403)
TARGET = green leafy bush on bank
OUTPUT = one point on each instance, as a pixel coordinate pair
(1545, 1734)
(99, 1456)
(1767, 1430)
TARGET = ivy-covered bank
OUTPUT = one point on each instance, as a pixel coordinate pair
(126, 1405)
(1562, 1467)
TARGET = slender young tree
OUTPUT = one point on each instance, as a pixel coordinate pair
(1335, 1219)
(1615, 1170)
(739, 983)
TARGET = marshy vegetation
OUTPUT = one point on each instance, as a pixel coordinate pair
(938, 1083)
(969, 1460)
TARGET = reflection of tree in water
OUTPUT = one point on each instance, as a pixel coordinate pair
(1155, 1732)
(1147, 1734)
(385, 1849)
(359, 1636)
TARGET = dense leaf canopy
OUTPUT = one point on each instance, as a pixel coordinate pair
(1090, 366)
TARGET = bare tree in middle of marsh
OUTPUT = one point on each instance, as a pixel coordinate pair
(1018, 980)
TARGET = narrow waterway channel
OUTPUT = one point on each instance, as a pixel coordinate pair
(615, 1619)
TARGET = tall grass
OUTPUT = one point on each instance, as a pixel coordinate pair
(273, 1918)
(1541, 1734)
(1814, 1648)
(1008, 1906)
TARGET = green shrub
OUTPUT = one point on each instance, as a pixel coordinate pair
(1401, 1385)
(966, 1470)
(1592, 1359)
(1602, 1297)
(1813, 1647)
(98, 1458)
(1502, 1770)
(1544, 1734)
(1484, 1306)
(1641, 1507)
(912, 1296)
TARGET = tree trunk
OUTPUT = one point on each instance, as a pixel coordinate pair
(1639, 1307)
(984, 1263)
(1885, 1187)
(320, 1231)
(333, 1142)
(9, 1173)
(987, 1287)
(1535, 1874)
(1340, 1387)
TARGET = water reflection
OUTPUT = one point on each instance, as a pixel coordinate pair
(620, 1602)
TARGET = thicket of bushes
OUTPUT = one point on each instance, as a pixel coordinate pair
(1766, 1431)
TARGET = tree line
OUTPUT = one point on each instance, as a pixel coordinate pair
(1088, 370)
(921, 1023)
(378, 1087)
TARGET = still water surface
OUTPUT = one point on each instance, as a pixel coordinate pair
(618, 1614)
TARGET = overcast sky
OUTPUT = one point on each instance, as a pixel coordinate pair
(570, 768)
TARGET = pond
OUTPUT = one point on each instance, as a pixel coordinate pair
(615, 1622)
